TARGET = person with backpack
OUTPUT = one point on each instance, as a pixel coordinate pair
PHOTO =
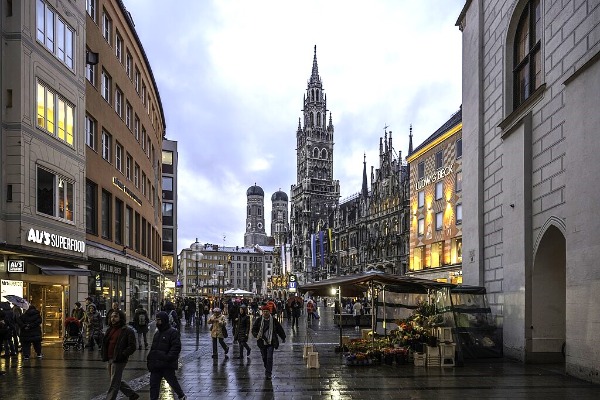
(163, 357)
(174, 320)
(140, 323)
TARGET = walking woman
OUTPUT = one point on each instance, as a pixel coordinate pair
(242, 330)
(218, 331)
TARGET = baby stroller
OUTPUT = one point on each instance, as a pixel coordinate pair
(73, 336)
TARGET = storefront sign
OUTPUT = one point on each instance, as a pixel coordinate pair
(126, 190)
(8, 286)
(138, 275)
(16, 266)
(109, 268)
(432, 178)
(98, 280)
(54, 240)
(293, 284)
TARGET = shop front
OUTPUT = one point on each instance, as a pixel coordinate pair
(107, 284)
(155, 294)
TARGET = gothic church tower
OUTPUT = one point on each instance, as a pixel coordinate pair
(316, 193)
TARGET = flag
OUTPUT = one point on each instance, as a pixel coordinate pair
(322, 248)
(329, 234)
(313, 249)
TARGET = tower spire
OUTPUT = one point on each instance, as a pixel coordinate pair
(314, 77)
(364, 190)
(410, 144)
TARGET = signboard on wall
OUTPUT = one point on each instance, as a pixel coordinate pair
(8, 286)
(16, 266)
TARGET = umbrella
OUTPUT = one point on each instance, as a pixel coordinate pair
(17, 301)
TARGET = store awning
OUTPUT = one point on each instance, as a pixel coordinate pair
(62, 269)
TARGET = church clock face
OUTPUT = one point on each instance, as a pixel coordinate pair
(249, 225)
(259, 225)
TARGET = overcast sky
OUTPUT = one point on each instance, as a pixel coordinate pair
(232, 76)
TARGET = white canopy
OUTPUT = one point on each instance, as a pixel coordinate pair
(238, 292)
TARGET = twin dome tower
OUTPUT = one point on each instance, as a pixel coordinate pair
(255, 218)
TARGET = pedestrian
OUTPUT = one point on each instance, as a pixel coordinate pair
(357, 310)
(78, 312)
(31, 332)
(174, 320)
(118, 344)
(267, 330)
(242, 330)
(140, 323)
(115, 307)
(218, 332)
(163, 357)
(310, 309)
(296, 306)
(17, 312)
(7, 316)
(93, 327)
(200, 312)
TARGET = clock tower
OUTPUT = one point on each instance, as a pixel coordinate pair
(255, 217)
(316, 194)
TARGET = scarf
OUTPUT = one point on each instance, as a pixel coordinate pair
(269, 334)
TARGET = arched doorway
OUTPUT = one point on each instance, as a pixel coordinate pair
(548, 299)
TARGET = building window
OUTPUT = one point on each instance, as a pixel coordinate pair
(91, 207)
(456, 251)
(144, 185)
(459, 148)
(136, 128)
(148, 146)
(167, 213)
(128, 164)
(143, 139)
(421, 227)
(458, 214)
(167, 188)
(119, 157)
(136, 175)
(437, 254)
(129, 65)
(439, 190)
(167, 239)
(438, 159)
(421, 170)
(459, 181)
(106, 86)
(128, 234)
(54, 33)
(90, 132)
(119, 47)
(418, 258)
(143, 94)
(91, 6)
(128, 115)
(421, 199)
(52, 108)
(118, 221)
(106, 144)
(137, 81)
(106, 214)
(54, 195)
(106, 27)
(527, 68)
(439, 221)
(90, 72)
(119, 102)
(167, 162)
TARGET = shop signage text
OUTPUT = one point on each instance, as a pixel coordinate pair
(16, 266)
(126, 190)
(432, 178)
(138, 275)
(54, 240)
(109, 268)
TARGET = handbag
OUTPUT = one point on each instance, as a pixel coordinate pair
(224, 331)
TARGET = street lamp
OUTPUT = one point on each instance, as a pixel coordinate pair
(219, 276)
(197, 256)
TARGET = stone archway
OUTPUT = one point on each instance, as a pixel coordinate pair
(548, 299)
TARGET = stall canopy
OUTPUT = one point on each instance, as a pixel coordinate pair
(238, 292)
(356, 284)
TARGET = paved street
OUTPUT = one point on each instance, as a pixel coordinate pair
(77, 375)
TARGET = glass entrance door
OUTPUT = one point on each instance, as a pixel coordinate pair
(48, 299)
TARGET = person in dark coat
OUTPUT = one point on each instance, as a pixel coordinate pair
(242, 330)
(118, 344)
(9, 321)
(31, 332)
(140, 323)
(267, 330)
(163, 357)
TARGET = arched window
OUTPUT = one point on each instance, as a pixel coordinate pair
(249, 210)
(312, 119)
(316, 153)
(318, 119)
(324, 154)
(318, 95)
(527, 63)
(312, 95)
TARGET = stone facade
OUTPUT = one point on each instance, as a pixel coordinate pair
(530, 227)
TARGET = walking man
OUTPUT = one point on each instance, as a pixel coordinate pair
(117, 346)
(140, 323)
(242, 330)
(163, 357)
(266, 330)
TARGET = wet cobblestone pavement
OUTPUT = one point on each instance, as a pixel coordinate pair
(81, 375)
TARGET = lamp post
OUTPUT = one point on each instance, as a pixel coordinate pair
(338, 291)
(219, 276)
(197, 256)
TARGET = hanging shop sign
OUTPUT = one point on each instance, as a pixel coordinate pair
(16, 266)
(98, 280)
(293, 283)
(55, 240)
